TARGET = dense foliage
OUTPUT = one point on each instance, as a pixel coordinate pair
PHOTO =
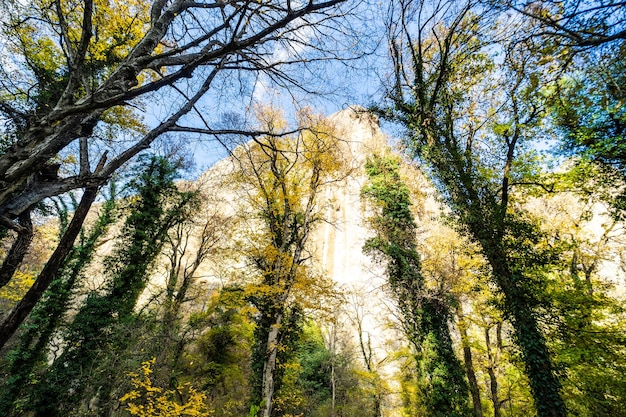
(425, 311)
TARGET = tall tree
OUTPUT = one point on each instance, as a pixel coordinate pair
(23, 308)
(584, 45)
(586, 320)
(425, 311)
(46, 318)
(470, 135)
(283, 176)
(157, 208)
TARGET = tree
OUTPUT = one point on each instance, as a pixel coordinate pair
(451, 263)
(373, 385)
(582, 46)
(586, 109)
(573, 24)
(425, 311)
(155, 210)
(18, 249)
(21, 310)
(78, 73)
(471, 136)
(47, 316)
(283, 176)
(588, 340)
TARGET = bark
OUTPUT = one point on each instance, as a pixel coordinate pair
(76, 113)
(48, 315)
(366, 351)
(18, 249)
(25, 306)
(269, 367)
(469, 365)
(493, 381)
(333, 377)
(448, 147)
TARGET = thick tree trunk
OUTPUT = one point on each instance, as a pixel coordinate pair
(469, 364)
(517, 303)
(47, 316)
(18, 249)
(24, 307)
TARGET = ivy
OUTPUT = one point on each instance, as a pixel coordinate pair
(29, 357)
(425, 315)
(154, 210)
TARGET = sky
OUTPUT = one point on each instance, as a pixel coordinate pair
(328, 86)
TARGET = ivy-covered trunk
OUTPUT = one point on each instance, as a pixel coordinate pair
(471, 134)
(469, 363)
(275, 337)
(157, 207)
(518, 307)
(22, 309)
(269, 365)
(48, 315)
(425, 313)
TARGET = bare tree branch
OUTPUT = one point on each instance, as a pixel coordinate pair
(244, 33)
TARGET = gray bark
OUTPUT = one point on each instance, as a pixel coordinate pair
(24, 307)
(18, 249)
(493, 380)
(269, 367)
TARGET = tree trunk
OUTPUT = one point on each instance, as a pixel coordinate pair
(47, 315)
(18, 249)
(544, 385)
(493, 381)
(269, 367)
(469, 364)
(24, 307)
(366, 351)
(333, 377)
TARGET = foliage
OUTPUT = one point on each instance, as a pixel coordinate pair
(590, 114)
(425, 314)
(587, 110)
(319, 381)
(589, 347)
(282, 176)
(147, 400)
(78, 74)
(16, 288)
(48, 316)
(157, 207)
(587, 340)
(571, 26)
(470, 133)
(217, 360)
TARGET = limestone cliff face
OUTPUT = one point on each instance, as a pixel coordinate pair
(336, 243)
